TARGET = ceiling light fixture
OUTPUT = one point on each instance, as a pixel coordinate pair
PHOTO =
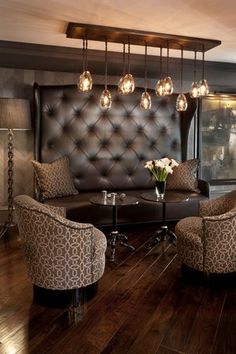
(203, 85)
(85, 83)
(181, 103)
(160, 83)
(168, 83)
(151, 39)
(146, 101)
(105, 99)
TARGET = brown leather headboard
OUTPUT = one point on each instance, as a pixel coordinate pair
(107, 149)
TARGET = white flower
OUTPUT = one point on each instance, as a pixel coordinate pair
(148, 164)
(159, 163)
(160, 169)
(166, 161)
(174, 163)
(169, 169)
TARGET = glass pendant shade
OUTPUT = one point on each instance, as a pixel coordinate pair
(126, 84)
(146, 101)
(160, 88)
(85, 82)
(194, 90)
(181, 103)
(105, 99)
(168, 86)
(203, 88)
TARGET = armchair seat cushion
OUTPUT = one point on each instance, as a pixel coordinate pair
(189, 232)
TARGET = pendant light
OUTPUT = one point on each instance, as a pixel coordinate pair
(127, 84)
(160, 83)
(194, 91)
(85, 80)
(105, 99)
(146, 101)
(181, 103)
(203, 85)
(168, 83)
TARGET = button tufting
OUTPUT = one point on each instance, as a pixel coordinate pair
(51, 111)
(163, 131)
(91, 128)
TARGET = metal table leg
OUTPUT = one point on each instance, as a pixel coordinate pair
(115, 235)
(160, 234)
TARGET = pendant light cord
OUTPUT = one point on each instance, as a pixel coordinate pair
(195, 66)
(181, 71)
(129, 57)
(167, 60)
(203, 62)
(83, 55)
(123, 59)
(145, 73)
(160, 62)
(86, 53)
(106, 64)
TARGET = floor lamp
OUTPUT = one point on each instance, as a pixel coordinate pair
(14, 115)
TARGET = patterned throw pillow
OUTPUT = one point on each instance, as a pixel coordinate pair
(54, 178)
(184, 177)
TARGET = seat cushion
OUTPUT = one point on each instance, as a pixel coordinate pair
(189, 232)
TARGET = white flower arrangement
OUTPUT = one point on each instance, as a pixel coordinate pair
(160, 169)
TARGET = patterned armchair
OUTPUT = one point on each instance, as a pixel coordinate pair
(208, 242)
(60, 254)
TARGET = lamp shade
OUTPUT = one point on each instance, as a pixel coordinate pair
(14, 114)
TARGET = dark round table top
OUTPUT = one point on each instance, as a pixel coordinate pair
(170, 197)
(118, 201)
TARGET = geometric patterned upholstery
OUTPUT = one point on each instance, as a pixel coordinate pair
(208, 242)
(60, 254)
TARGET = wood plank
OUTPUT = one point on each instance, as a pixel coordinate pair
(225, 342)
(143, 306)
(206, 322)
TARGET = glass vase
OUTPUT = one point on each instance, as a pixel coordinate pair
(160, 189)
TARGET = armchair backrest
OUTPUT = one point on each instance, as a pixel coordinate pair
(219, 236)
(59, 253)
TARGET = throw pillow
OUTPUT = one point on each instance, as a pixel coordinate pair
(184, 177)
(54, 178)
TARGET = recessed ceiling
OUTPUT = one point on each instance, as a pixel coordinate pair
(45, 22)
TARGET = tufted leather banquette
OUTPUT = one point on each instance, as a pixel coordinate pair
(108, 148)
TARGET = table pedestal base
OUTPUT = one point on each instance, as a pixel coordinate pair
(160, 235)
(113, 237)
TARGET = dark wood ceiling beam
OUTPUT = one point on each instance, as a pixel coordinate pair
(135, 37)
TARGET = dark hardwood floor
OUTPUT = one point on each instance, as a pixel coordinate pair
(143, 305)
